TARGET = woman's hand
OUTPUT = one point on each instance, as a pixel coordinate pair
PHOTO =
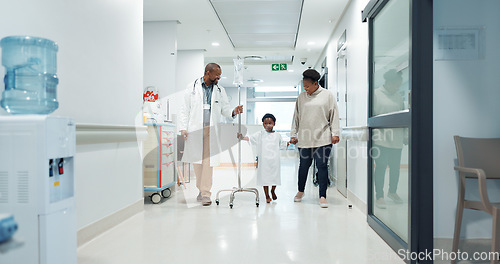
(335, 140)
(293, 140)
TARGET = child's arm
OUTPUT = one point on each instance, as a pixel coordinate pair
(241, 137)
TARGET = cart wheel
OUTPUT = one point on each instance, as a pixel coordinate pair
(155, 198)
(257, 204)
(217, 202)
(166, 193)
(231, 206)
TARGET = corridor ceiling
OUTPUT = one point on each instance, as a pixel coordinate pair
(263, 24)
(264, 31)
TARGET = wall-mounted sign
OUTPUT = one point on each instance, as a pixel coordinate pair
(279, 67)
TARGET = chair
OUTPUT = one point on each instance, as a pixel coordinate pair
(478, 158)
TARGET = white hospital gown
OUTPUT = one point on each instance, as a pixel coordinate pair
(268, 153)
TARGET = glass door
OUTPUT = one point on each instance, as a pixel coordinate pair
(400, 123)
(389, 100)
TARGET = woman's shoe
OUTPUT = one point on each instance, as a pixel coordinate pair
(323, 203)
(298, 197)
(395, 197)
(380, 203)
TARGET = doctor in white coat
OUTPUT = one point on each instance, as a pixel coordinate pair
(204, 103)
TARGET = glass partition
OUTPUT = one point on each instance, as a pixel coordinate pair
(390, 178)
(391, 53)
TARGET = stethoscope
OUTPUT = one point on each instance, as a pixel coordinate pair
(194, 85)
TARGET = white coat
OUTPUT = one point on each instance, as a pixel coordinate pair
(191, 119)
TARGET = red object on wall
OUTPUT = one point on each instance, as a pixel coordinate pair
(150, 94)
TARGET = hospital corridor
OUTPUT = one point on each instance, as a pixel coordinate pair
(181, 230)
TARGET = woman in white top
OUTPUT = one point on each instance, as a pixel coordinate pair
(268, 144)
(315, 127)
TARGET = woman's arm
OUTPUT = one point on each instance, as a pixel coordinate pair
(334, 120)
(295, 123)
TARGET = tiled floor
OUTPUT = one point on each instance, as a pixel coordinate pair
(180, 230)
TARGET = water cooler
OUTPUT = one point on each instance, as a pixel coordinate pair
(37, 189)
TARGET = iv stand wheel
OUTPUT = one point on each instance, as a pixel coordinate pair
(155, 198)
(231, 206)
(166, 193)
(217, 201)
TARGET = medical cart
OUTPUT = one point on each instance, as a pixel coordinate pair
(159, 160)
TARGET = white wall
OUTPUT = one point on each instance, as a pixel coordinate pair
(190, 65)
(160, 59)
(466, 97)
(160, 55)
(100, 74)
(357, 89)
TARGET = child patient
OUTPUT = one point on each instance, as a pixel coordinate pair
(268, 144)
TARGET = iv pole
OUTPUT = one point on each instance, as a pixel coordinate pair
(238, 64)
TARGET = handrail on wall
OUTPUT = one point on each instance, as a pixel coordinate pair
(359, 133)
(99, 134)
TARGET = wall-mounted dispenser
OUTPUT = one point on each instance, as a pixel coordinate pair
(37, 188)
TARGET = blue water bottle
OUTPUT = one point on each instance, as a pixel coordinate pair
(30, 75)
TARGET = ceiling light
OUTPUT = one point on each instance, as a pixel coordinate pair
(254, 80)
(311, 43)
(215, 44)
(253, 57)
(290, 70)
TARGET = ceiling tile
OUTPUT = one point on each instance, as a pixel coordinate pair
(257, 24)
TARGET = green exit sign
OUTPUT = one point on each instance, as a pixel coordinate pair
(279, 67)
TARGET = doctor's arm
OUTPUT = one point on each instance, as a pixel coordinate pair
(184, 114)
(226, 110)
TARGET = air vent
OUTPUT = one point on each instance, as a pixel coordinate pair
(23, 187)
(4, 187)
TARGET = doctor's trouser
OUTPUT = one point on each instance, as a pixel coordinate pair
(203, 171)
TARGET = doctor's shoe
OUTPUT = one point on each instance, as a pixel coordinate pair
(395, 197)
(199, 198)
(205, 201)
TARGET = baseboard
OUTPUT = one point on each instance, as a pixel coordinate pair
(252, 164)
(95, 229)
(352, 198)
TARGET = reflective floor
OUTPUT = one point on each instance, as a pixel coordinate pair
(180, 230)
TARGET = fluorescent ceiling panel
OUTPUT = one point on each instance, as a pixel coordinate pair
(260, 24)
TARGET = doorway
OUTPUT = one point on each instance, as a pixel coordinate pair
(341, 147)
